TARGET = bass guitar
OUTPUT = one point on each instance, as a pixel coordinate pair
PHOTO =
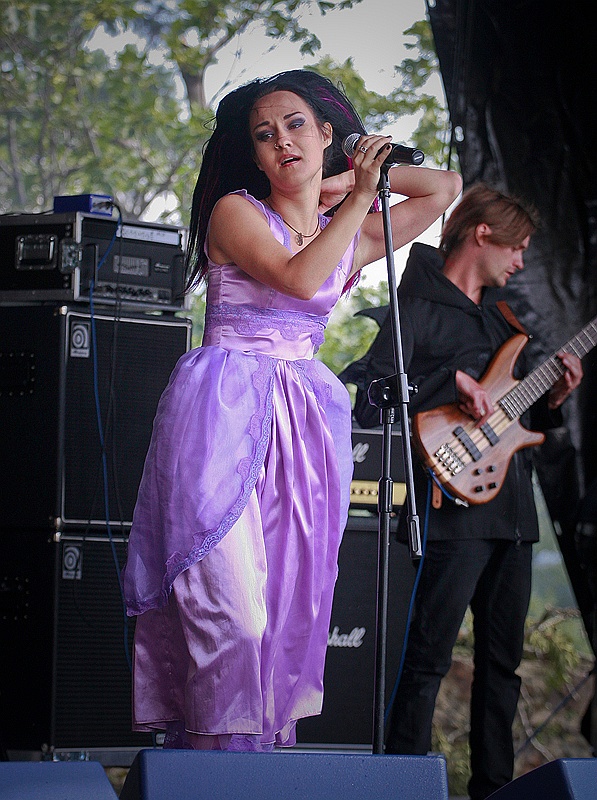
(471, 461)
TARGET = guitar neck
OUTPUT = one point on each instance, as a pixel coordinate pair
(538, 381)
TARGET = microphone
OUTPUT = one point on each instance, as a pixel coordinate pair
(399, 154)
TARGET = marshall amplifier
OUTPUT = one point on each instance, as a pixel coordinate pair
(347, 717)
(367, 448)
(72, 256)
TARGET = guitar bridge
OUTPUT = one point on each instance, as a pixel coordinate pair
(449, 460)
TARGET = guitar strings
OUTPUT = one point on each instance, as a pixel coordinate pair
(498, 420)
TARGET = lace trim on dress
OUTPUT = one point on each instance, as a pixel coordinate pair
(248, 468)
(260, 424)
(248, 320)
(320, 388)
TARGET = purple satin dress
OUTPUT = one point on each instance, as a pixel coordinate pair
(232, 556)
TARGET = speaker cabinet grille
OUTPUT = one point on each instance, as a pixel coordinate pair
(347, 716)
(58, 366)
(65, 677)
(65, 674)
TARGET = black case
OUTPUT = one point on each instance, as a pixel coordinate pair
(78, 257)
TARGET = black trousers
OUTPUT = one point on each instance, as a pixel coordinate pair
(494, 578)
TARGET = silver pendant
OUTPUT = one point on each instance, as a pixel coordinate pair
(299, 239)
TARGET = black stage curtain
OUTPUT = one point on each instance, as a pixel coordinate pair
(520, 79)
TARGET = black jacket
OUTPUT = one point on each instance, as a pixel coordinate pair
(444, 331)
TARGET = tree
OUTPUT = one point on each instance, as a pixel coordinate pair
(72, 121)
(432, 134)
(80, 112)
(408, 98)
(195, 31)
(348, 336)
(76, 119)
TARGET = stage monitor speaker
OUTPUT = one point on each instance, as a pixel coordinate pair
(65, 678)
(204, 775)
(60, 780)
(347, 716)
(56, 365)
(563, 779)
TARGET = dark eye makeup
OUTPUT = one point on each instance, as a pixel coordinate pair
(293, 124)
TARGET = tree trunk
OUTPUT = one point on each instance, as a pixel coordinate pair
(195, 86)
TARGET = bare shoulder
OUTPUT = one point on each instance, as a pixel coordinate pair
(234, 206)
(234, 220)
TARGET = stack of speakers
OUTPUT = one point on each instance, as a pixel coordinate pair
(79, 386)
(80, 378)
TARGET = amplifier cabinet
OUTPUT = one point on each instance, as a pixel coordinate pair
(65, 677)
(64, 463)
(68, 257)
(367, 457)
(347, 717)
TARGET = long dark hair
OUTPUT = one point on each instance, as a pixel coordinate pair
(228, 162)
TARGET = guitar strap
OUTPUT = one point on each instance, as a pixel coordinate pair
(509, 316)
(436, 495)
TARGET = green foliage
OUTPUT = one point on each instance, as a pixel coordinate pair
(197, 314)
(412, 75)
(432, 132)
(73, 121)
(547, 719)
(131, 121)
(556, 638)
(456, 751)
(348, 337)
(376, 110)
(549, 640)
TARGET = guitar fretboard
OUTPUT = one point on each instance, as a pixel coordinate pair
(543, 377)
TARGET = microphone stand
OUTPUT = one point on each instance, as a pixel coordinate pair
(387, 404)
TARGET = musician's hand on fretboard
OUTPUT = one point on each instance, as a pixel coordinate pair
(568, 382)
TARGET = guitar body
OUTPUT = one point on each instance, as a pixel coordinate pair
(472, 462)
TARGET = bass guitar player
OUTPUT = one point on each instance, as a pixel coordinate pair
(477, 553)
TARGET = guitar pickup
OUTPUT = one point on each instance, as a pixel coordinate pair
(468, 443)
(490, 434)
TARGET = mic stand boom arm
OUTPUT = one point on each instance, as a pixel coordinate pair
(385, 482)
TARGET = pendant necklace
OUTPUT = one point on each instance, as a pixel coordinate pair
(300, 237)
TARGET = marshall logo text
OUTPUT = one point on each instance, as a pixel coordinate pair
(352, 639)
